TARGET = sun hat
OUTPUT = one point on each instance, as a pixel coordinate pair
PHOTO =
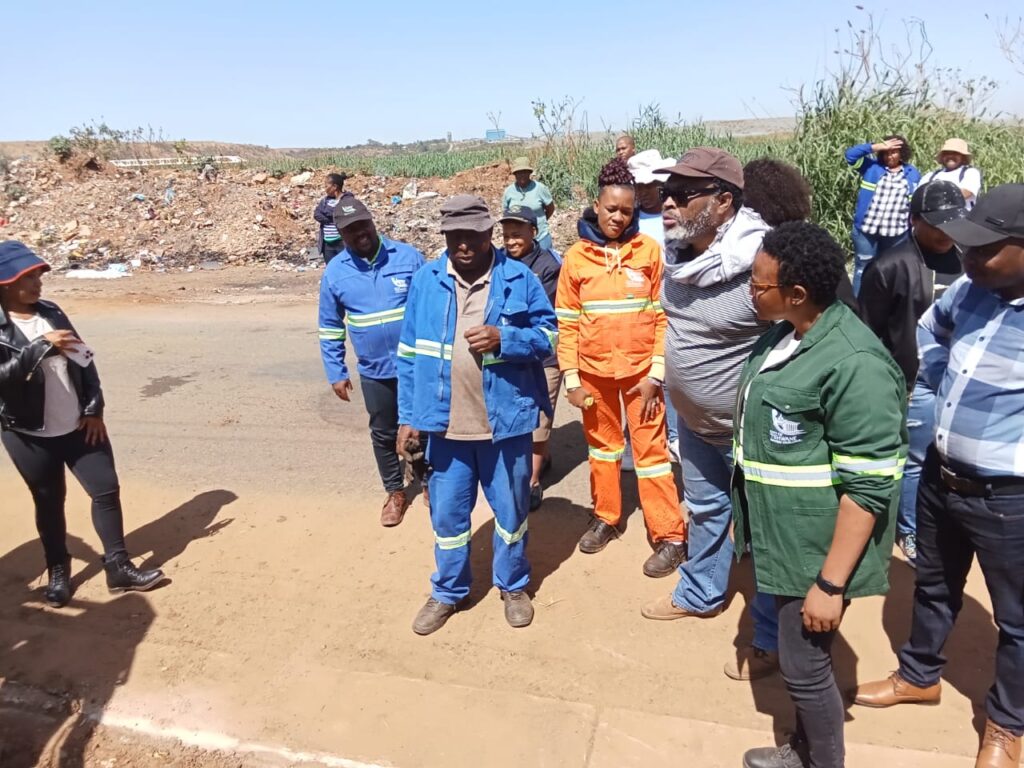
(17, 259)
(644, 164)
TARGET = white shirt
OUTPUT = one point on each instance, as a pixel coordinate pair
(61, 411)
(780, 353)
(971, 180)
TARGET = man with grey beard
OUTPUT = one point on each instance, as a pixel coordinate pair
(710, 244)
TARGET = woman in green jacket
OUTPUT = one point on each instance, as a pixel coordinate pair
(820, 446)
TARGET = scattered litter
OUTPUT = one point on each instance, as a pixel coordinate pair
(112, 272)
(139, 197)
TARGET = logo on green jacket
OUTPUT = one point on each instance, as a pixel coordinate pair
(784, 431)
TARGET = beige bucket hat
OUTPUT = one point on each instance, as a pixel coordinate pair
(955, 145)
(521, 164)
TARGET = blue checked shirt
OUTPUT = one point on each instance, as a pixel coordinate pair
(971, 344)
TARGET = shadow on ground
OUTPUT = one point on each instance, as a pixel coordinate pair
(61, 667)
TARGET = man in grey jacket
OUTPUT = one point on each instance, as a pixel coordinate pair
(710, 244)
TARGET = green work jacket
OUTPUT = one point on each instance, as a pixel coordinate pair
(826, 423)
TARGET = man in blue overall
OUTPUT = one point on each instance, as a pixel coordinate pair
(478, 327)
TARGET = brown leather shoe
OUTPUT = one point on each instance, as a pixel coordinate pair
(394, 509)
(895, 690)
(999, 748)
(596, 537)
(752, 664)
(432, 616)
(663, 609)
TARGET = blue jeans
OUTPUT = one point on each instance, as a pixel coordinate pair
(865, 248)
(704, 577)
(503, 469)
(671, 418)
(921, 426)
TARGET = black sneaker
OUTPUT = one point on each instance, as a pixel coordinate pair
(58, 587)
(774, 757)
(123, 576)
(596, 537)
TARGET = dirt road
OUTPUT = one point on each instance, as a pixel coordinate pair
(284, 634)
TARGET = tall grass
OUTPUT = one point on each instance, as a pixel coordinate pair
(413, 165)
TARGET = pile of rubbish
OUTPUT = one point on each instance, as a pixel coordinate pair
(106, 222)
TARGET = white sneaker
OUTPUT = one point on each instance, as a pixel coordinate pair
(673, 450)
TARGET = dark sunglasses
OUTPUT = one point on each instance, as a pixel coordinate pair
(683, 196)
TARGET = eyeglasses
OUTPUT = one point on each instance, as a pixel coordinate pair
(683, 196)
(756, 289)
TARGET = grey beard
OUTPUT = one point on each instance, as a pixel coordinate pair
(688, 231)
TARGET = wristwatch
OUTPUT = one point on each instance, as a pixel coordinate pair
(827, 586)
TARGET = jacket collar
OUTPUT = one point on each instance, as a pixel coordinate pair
(834, 314)
(43, 307)
(383, 252)
(501, 269)
(588, 229)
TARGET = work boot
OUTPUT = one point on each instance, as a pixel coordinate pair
(663, 609)
(536, 497)
(773, 757)
(432, 616)
(123, 576)
(668, 556)
(58, 587)
(596, 537)
(999, 748)
(518, 608)
(752, 663)
(394, 509)
(895, 690)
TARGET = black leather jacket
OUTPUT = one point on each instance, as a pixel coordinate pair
(22, 389)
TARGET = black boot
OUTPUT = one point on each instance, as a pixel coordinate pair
(58, 589)
(123, 576)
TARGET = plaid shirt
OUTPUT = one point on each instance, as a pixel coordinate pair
(971, 345)
(890, 207)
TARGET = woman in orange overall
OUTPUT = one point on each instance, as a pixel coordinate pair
(611, 350)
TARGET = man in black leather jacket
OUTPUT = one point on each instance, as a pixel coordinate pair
(898, 286)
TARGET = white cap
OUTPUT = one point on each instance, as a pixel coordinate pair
(643, 164)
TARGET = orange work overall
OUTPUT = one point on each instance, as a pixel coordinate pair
(611, 336)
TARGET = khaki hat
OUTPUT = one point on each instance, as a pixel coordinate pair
(521, 164)
(955, 145)
(708, 163)
(465, 212)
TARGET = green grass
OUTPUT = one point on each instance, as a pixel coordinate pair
(412, 165)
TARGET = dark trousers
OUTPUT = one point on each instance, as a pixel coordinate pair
(41, 462)
(805, 660)
(381, 398)
(951, 530)
(332, 248)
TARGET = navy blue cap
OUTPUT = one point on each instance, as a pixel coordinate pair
(16, 259)
(519, 213)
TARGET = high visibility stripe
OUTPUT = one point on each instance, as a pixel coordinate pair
(813, 476)
(617, 306)
(332, 334)
(868, 185)
(863, 466)
(552, 337)
(599, 455)
(658, 470)
(433, 349)
(452, 542)
(490, 359)
(404, 350)
(371, 319)
(510, 538)
(858, 164)
(656, 306)
(567, 314)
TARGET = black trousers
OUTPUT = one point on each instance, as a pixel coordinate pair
(951, 530)
(381, 398)
(805, 660)
(332, 248)
(41, 462)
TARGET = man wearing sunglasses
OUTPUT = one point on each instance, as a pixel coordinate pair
(710, 244)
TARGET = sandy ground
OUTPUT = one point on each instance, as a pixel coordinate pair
(283, 635)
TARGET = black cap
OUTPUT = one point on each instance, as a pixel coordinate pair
(349, 210)
(999, 215)
(938, 202)
(519, 213)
